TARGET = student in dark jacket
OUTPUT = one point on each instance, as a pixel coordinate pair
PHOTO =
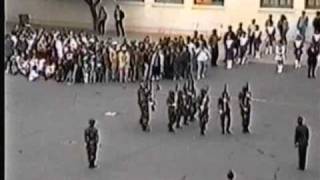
(102, 20)
(313, 52)
(316, 22)
(118, 17)
(301, 141)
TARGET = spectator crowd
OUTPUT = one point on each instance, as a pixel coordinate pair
(81, 57)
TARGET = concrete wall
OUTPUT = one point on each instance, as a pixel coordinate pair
(155, 17)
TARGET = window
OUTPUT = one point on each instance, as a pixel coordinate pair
(169, 1)
(313, 4)
(277, 3)
(209, 2)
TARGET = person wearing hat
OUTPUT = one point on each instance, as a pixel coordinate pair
(91, 137)
(298, 50)
(301, 140)
(224, 110)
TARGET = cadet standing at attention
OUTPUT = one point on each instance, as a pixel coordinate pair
(91, 137)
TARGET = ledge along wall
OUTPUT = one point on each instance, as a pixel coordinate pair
(151, 17)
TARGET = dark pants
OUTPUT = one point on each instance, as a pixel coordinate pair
(145, 119)
(172, 120)
(214, 56)
(245, 121)
(119, 27)
(223, 117)
(312, 69)
(251, 45)
(203, 120)
(101, 27)
(92, 151)
(302, 157)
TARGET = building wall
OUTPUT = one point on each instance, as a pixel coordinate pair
(155, 17)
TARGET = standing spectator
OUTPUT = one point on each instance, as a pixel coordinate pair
(102, 20)
(283, 27)
(280, 55)
(202, 55)
(124, 64)
(232, 37)
(119, 16)
(271, 31)
(229, 49)
(257, 42)
(313, 52)
(316, 22)
(303, 24)
(213, 41)
(157, 64)
(298, 50)
(301, 141)
(251, 29)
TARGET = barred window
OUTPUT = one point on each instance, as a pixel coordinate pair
(209, 2)
(170, 1)
(277, 3)
(313, 4)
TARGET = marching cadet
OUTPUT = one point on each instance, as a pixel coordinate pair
(141, 99)
(246, 108)
(301, 141)
(224, 110)
(280, 55)
(171, 110)
(243, 48)
(313, 52)
(298, 50)
(147, 104)
(203, 110)
(257, 42)
(91, 136)
(271, 31)
(180, 109)
(193, 99)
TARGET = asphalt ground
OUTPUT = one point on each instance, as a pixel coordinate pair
(45, 122)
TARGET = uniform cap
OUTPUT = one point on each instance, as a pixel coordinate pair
(92, 121)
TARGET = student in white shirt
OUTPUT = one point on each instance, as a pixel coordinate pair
(202, 56)
(280, 55)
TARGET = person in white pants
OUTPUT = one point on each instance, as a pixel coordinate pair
(124, 64)
(202, 56)
(280, 56)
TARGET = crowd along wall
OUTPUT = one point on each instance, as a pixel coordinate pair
(152, 17)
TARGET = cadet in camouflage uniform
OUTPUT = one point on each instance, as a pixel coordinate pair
(141, 99)
(225, 110)
(171, 110)
(91, 137)
(245, 107)
(180, 109)
(203, 110)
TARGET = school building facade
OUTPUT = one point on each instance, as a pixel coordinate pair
(166, 16)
